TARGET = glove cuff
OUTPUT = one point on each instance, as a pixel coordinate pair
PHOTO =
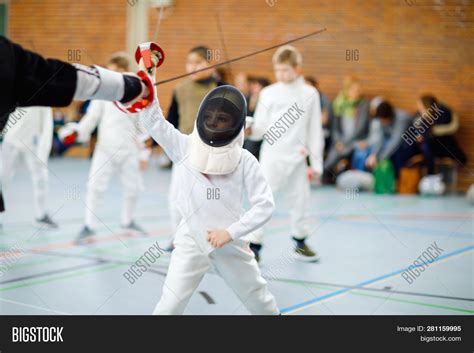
(111, 85)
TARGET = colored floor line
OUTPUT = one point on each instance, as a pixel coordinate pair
(100, 259)
(323, 219)
(38, 240)
(79, 221)
(54, 234)
(447, 233)
(318, 286)
(428, 295)
(305, 304)
(71, 243)
(417, 303)
(121, 264)
(83, 272)
(110, 239)
(85, 251)
(33, 306)
(437, 306)
(97, 261)
(412, 217)
(53, 272)
(47, 280)
(336, 293)
(136, 241)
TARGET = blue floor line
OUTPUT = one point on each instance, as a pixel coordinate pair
(344, 290)
(447, 233)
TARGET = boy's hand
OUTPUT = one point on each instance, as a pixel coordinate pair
(218, 237)
(371, 161)
(143, 164)
(310, 173)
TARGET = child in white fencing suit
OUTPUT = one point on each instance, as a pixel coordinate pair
(29, 136)
(214, 173)
(120, 150)
(288, 119)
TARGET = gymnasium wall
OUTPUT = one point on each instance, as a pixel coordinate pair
(399, 48)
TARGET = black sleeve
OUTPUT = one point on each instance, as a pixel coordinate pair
(2, 204)
(27, 79)
(173, 112)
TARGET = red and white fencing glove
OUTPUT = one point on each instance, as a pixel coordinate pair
(149, 56)
(68, 133)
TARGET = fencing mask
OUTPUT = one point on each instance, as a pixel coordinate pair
(216, 143)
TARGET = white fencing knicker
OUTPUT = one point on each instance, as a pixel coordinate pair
(189, 263)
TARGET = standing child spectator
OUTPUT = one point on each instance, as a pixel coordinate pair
(288, 119)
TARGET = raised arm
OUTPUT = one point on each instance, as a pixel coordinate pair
(163, 132)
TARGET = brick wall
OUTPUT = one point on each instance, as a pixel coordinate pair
(404, 47)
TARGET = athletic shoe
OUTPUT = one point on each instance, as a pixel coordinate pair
(167, 245)
(304, 253)
(256, 250)
(135, 228)
(46, 221)
(84, 235)
(169, 248)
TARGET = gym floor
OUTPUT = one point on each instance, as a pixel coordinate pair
(365, 242)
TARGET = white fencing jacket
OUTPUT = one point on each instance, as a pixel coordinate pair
(207, 202)
(288, 119)
(31, 129)
(118, 132)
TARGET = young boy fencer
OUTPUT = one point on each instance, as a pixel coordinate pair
(214, 173)
(288, 119)
(120, 150)
(29, 136)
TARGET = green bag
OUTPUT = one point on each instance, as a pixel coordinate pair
(384, 174)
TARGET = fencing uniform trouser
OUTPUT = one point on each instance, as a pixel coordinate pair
(234, 263)
(11, 156)
(294, 196)
(102, 168)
